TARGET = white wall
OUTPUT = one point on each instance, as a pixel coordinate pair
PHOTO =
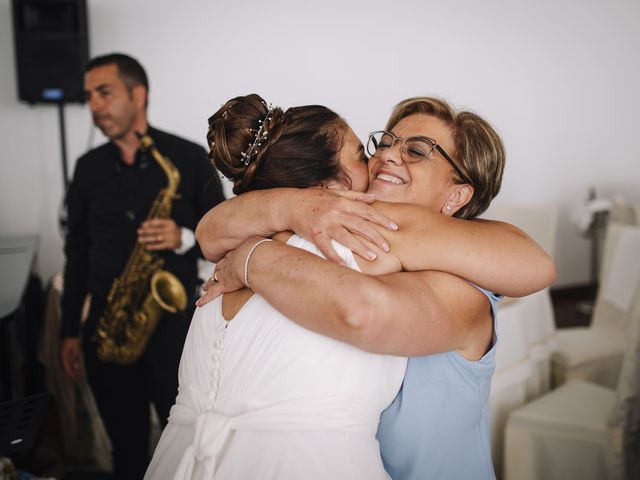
(559, 79)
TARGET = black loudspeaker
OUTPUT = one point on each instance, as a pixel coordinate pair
(51, 49)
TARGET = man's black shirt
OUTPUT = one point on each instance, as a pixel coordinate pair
(108, 200)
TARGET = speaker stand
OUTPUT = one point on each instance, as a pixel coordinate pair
(62, 211)
(63, 147)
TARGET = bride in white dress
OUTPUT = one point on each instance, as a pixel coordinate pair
(259, 396)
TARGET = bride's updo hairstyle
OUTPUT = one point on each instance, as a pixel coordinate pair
(258, 147)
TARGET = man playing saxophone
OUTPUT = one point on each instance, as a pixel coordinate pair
(131, 216)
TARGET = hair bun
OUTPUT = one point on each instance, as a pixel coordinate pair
(240, 132)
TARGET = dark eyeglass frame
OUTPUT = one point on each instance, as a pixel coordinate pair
(434, 145)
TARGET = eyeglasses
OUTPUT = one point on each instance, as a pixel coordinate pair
(412, 149)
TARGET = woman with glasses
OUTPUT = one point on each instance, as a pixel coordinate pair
(253, 385)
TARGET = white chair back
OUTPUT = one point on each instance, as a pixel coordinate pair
(541, 223)
(615, 302)
(514, 371)
(540, 332)
(582, 429)
(624, 212)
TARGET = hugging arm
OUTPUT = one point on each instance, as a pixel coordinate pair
(495, 255)
(319, 215)
(406, 313)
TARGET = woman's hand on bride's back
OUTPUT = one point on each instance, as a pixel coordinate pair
(230, 273)
(322, 215)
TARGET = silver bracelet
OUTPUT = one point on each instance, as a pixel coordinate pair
(246, 262)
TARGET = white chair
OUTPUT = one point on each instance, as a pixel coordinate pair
(540, 334)
(541, 223)
(525, 328)
(581, 430)
(513, 372)
(539, 322)
(624, 211)
(595, 353)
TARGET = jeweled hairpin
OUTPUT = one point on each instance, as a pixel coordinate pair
(260, 134)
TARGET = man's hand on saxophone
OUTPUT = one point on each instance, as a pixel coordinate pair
(160, 234)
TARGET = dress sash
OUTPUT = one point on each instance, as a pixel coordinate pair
(213, 428)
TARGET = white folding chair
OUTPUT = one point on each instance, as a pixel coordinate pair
(581, 430)
(594, 353)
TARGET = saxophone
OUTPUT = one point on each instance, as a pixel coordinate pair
(143, 292)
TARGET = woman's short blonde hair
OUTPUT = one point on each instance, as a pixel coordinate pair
(479, 152)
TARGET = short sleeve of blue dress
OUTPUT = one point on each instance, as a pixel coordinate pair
(438, 425)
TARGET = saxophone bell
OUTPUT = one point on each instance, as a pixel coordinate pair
(168, 292)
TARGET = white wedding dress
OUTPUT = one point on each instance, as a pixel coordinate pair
(263, 398)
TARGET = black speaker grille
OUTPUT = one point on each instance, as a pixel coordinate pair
(48, 17)
(51, 49)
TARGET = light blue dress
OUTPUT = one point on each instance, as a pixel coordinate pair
(437, 427)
